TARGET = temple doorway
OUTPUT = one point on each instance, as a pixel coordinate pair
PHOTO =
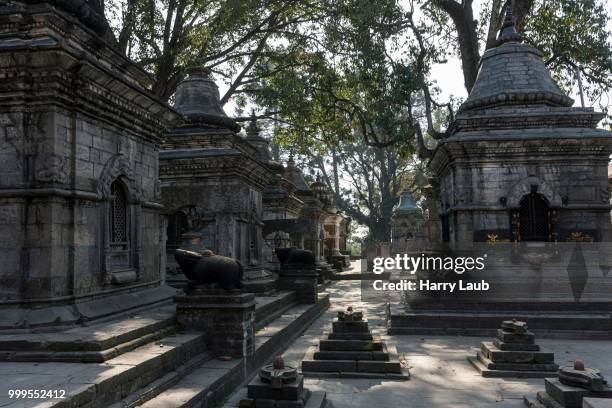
(534, 218)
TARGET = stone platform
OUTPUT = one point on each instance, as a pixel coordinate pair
(575, 383)
(44, 316)
(104, 341)
(174, 371)
(513, 353)
(545, 324)
(351, 351)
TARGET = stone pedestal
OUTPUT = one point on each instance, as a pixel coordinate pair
(513, 353)
(302, 279)
(350, 351)
(226, 316)
(574, 385)
(258, 280)
(280, 386)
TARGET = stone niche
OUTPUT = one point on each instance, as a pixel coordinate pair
(80, 229)
(212, 180)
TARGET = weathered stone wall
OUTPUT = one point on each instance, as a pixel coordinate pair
(226, 212)
(488, 191)
(74, 118)
(55, 244)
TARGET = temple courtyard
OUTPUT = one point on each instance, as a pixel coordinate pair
(440, 375)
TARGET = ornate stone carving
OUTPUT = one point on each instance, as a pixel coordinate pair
(50, 167)
(118, 166)
(526, 186)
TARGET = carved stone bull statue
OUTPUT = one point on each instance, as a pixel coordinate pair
(208, 268)
(292, 256)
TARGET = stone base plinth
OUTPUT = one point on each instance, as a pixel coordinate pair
(227, 317)
(54, 316)
(560, 395)
(325, 271)
(340, 262)
(258, 280)
(514, 355)
(350, 351)
(302, 280)
(292, 395)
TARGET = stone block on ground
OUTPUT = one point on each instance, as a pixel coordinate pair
(350, 351)
(513, 353)
(573, 388)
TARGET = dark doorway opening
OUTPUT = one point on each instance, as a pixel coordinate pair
(534, 218)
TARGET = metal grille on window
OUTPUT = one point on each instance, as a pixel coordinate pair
(118, 213)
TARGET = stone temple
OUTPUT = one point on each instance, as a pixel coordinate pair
(81, 234)
(522, 180)
(541, 173)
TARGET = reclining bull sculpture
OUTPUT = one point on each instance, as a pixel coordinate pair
(207, 268)
(293, 256)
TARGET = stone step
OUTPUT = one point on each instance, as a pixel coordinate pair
(104, 341)
(490, 351)
(91, 344)
(350, 345)
(544, 325)
(535, 403)
(350, 336)
(491, 370)
(268, 308)
(515, 346)
(209, 384)
(359, 366)
(351, 355)
(350, 327)
(391, 369)
(102, 385)
(517, 366)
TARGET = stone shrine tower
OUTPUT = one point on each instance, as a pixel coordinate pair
(212, 180)
(81, 236)
(520, 163)
(310, 230)
(406, 225)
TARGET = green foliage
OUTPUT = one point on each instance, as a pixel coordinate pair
(574, 34)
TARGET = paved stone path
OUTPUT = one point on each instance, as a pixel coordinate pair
(441, 374)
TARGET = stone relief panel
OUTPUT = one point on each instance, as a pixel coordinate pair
(49, 167)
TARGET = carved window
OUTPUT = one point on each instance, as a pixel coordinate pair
(534, 218)
(118, 213)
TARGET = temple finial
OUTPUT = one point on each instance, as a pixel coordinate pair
(252, 127)
(508, 31)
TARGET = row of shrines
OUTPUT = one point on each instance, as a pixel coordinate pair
(97, 172)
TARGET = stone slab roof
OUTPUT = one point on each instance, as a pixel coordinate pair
(514, 74)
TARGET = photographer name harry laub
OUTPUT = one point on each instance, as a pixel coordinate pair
(404, 262)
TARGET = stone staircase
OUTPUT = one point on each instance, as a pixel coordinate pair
(212, 382)
(144, 361)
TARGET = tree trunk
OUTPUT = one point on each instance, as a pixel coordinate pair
(467, 36)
